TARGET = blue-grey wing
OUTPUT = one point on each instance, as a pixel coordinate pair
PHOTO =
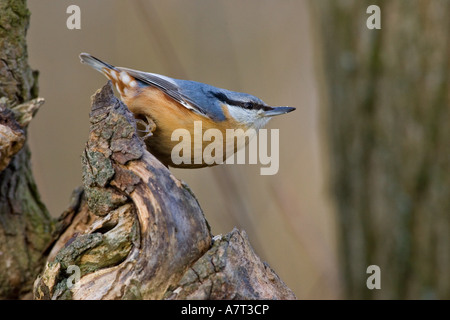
(202, 95)
(194, 96)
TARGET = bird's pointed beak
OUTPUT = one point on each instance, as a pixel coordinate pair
(275, 111)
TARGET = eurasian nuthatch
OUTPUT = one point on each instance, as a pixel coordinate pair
(169, 104)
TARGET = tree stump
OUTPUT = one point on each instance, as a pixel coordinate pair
(137, 232)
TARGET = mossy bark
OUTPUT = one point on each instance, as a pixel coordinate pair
(25, 225)
(387, 111)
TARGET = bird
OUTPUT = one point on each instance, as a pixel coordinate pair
(162, 105)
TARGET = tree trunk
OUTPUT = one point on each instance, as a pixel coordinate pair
(388, 124)
(25, 225)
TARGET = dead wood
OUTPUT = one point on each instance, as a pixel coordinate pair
(137, 232)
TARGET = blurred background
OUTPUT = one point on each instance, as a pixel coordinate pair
(264, 49)
(364, 160)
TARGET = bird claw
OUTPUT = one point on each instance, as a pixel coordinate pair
(148, 128)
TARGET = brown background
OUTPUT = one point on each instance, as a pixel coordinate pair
(261, 47)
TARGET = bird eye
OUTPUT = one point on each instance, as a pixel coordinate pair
(249, 105)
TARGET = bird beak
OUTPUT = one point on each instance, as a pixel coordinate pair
(277, 111)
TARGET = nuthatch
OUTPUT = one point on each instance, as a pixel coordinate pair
(168, 104)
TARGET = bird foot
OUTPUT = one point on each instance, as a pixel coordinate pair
(145, 128)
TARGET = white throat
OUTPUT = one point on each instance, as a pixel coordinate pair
(251, 118)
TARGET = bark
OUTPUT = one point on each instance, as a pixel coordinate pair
(25, 225)
(137, 232)
(387, 116)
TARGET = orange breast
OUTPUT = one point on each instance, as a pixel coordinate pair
(168, 116)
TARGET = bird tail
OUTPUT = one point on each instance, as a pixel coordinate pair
(95, 63)
(120, 78)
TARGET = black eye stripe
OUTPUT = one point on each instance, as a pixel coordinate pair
(247, 105)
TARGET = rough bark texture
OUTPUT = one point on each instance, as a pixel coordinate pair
(388, 119)
(137, 232)
(230, 270)
(25, 225)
